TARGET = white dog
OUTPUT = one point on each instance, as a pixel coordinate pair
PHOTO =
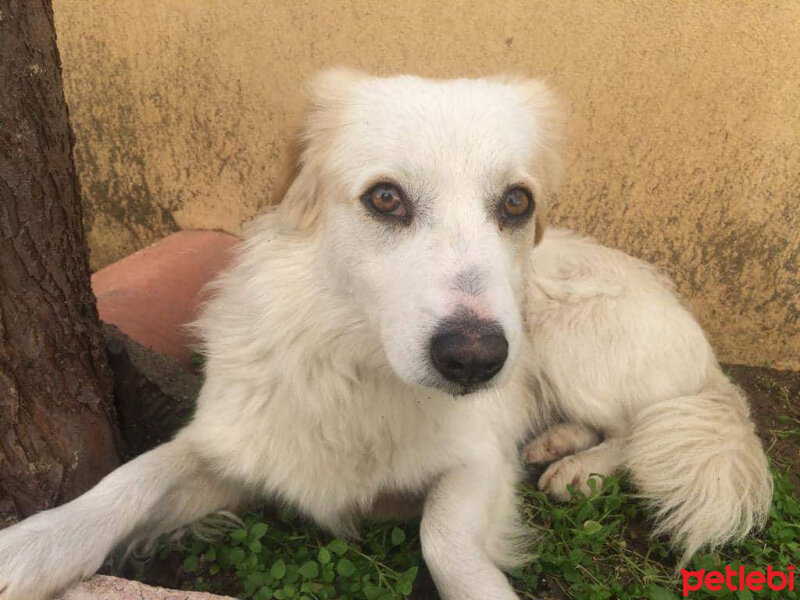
(389, 331)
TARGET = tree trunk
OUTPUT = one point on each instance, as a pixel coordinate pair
(57, 431)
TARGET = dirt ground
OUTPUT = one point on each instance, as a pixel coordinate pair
(775, 401)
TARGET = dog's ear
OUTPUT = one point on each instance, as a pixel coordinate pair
(297, 189)
(330, 88)
(548, 118)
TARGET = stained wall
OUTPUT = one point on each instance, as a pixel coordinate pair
(684, 123)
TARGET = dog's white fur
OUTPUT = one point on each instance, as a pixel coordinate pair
(319, 389)
(616, 353)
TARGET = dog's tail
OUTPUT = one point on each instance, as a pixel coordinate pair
(165, 488)
(699, 463)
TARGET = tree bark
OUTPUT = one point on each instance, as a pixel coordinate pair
(57, 427)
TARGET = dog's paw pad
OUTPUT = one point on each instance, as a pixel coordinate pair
(558, 441)
(540, 450)
(570, 471)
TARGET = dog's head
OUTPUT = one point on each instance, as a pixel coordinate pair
(427, 196)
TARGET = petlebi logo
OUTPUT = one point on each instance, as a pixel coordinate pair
(736, 579)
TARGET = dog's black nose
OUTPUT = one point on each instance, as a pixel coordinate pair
(469, 353)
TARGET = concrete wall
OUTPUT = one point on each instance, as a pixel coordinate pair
(685, 123)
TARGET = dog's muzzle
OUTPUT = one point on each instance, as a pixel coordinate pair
(468, 351)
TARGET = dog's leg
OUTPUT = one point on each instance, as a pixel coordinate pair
(469, 517)
(558, 441)
(578, 469)
(158, 491)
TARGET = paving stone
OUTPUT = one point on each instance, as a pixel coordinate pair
(103, 587)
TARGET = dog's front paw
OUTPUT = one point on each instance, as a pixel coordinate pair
(36, 562)
(575, 471)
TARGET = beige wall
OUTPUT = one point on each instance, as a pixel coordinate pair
(685, 123)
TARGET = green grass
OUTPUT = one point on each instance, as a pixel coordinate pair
(281, 557)
(593, 548)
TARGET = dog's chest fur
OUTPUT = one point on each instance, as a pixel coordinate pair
(334, 459)
(299, 401)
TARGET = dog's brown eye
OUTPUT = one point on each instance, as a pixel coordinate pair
(386, 200)
(517, 204)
